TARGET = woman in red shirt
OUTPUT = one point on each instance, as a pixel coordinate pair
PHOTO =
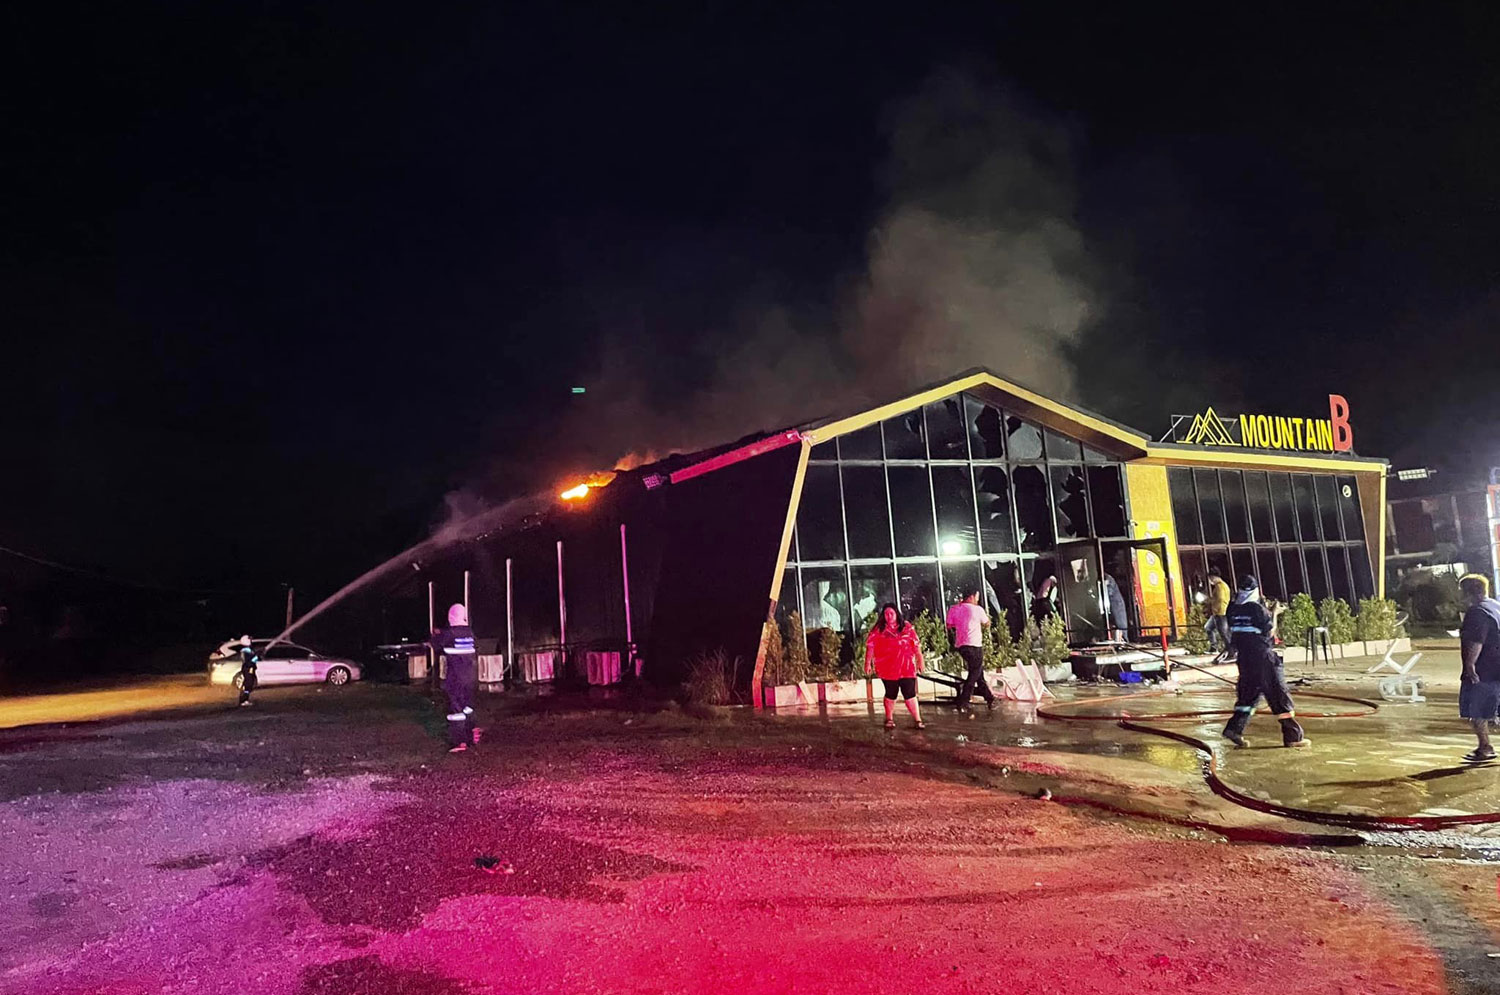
(893, 651)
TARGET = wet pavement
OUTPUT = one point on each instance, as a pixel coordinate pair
(1402, 759)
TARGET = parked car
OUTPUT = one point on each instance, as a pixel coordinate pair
(284, 663)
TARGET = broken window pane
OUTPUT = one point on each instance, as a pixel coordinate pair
(1033, 509)
(996, 530)
(986, 429)
(1023, 439)
(947, 437)
(1061, 447)
(1071, 502)
(1107, 502)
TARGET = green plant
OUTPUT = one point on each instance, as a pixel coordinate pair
(775, 655)
(794, 658)
(1028, 650)
(1193, 638)
(999, 648)
(1300, 615)
(824, 646)
(1376, 620)
(711, 678)
(937, 650)
(1054, 647)
(1340, 621)
(860, 643)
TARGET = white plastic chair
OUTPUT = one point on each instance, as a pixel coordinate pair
(1407, 689)
(1389, 663)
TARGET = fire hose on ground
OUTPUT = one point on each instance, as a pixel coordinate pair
(1373, 823)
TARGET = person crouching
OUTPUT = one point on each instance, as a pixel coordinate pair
(1260, 668)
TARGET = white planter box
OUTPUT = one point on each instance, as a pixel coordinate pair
(790, 695)
(1060, 672)
(416, 667)
(834, 692)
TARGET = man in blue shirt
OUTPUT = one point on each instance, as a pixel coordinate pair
(1479, 694)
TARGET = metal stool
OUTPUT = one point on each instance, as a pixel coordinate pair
(1317, 634)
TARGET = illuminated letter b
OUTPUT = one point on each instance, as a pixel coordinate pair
(1338, 413)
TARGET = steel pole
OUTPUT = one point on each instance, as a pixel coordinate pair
(510, 645)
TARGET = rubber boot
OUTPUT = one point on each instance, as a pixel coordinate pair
(1235, 730)
(1291, 734)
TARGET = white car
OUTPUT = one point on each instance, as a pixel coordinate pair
(284, 663)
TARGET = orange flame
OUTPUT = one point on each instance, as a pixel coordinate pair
(581, 490)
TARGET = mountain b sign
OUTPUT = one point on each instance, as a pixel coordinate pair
(1316, 435)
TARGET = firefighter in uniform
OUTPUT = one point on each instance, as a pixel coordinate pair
(456, 642)
(1260, 668)
(249, 660)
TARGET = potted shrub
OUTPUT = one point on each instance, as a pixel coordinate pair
(787, 684)
(1193, 638)
(1300, 615)
(1339, 621)
(1375, 625)
(1000, 650)
(829, 670)
(1052, 655)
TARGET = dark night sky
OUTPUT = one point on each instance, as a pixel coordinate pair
(277, 277)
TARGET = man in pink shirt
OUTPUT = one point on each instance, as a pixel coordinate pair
(966, 622)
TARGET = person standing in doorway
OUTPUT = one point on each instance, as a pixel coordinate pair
(1119, 619)
(1217, 626)
(456, 642)
(246, 679)
(1260, 668)
(1479, 639)
(966, 624)
(893, 651)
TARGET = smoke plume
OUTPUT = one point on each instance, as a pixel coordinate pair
(973, 260)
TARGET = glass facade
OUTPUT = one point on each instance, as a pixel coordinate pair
(939, 500)
(1297, 532)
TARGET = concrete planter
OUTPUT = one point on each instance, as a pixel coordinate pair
(1347, 651)
(835, 692)
(1057, 672)
(790, 695)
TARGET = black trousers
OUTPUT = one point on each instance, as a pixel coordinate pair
(248, 682)
(460, 687)
(1261, 674)
(974, 659)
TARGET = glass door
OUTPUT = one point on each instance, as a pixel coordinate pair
(1082, 591)
(1142, 577)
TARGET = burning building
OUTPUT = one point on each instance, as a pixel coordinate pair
(972, 483)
